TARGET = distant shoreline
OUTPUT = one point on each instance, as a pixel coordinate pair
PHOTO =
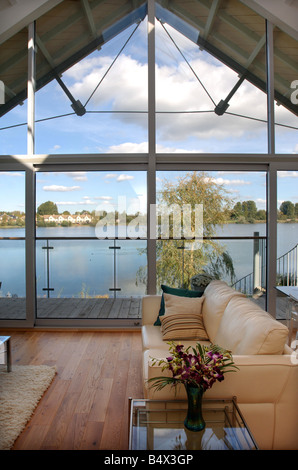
(230, 222)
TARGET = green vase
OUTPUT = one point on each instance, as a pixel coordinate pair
(194, 420)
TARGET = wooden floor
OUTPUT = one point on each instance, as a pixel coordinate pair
(86, 406)
(62, 308)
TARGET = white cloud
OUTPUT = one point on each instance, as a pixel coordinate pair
(104, 198)
(58, 188)
(129, 147)
(124, 177)
(177, 89)
(228, 182)
(142, 147)
(80, 178)
(110, 175)
(11, 173)
(131, 95)
(77, 175)
(77, 203)
(287, 174)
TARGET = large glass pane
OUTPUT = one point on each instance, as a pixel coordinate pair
(99, 104)
(211, 80)
(91, 244)
(12, 246)
(231, 242)
(286, 92)
(287, 240)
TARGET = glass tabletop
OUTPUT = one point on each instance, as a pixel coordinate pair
(158, 425)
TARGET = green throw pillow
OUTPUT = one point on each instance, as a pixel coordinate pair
(174, 291)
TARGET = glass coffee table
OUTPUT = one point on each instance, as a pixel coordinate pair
(158, 425)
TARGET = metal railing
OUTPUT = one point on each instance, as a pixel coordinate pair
(287, 268)
(286, 272)
(255, 282)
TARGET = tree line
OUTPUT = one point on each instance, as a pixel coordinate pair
(247, 212)
(241, 212)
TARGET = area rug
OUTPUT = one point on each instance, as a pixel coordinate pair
(20, 391)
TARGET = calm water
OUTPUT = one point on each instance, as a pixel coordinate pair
(86, 267)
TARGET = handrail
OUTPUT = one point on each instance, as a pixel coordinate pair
(288, 252)
(140, 238)
(291, 274)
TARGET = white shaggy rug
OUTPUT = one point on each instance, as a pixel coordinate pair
(20, 391)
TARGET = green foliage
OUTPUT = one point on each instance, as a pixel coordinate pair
(247, 212)
(47, 208)
(288, 209)
(179, 260)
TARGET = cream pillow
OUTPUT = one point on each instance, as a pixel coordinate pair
(175, 304)
(183, 318)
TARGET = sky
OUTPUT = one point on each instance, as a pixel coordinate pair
(124, 88)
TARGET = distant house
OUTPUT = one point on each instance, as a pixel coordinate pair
(75, 219)
(86, 218)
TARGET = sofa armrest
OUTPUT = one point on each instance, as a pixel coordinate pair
(150, 309)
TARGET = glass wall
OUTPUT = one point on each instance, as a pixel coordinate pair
(12, 245)
(226, 212)
(91, 243)
(286, 85)
(204, 103)
(110, 89)
(91, 202)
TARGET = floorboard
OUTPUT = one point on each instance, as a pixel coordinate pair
(86, 406)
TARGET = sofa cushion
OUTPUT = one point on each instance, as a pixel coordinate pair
(173, 291)
(152, 339)
(183, 305)
(183, 326)
(247, 329)
(183, 318)
(217, 295)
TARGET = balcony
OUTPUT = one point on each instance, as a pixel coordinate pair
(88, 278)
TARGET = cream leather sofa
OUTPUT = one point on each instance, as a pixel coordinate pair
(266, 384)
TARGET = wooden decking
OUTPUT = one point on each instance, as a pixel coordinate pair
(94, 308)
(64, 308)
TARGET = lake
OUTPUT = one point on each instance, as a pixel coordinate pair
(88, 267)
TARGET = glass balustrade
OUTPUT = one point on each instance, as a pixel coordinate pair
(12, 280)
(90, 278)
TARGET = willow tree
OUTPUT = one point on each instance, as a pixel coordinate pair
(178, 260)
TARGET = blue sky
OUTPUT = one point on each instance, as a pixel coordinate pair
(125, 89)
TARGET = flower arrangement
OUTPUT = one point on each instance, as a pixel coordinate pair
(201, 368)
